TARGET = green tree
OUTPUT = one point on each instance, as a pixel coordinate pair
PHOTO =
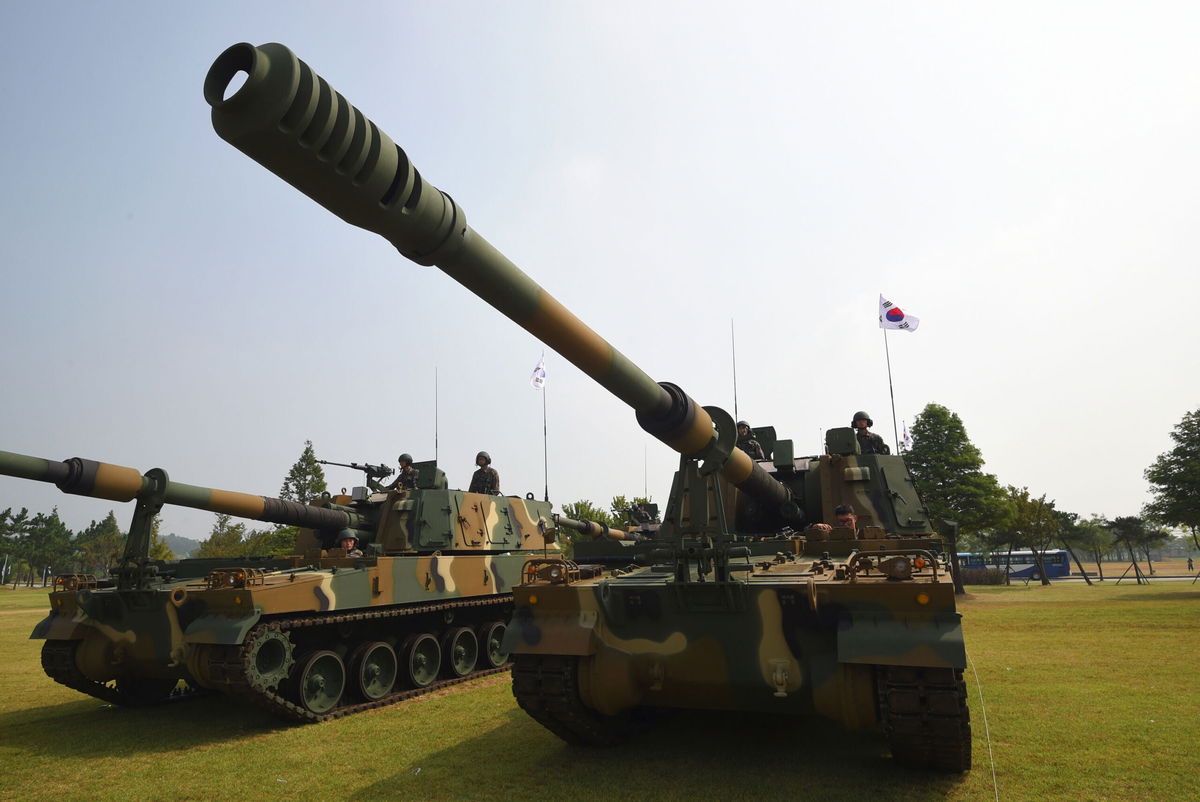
(51, 549)
(582, 510)
(100, 545)
(947, 470)
(1137, 534)
(225, 540)
(1098, 538)
(620, 506)
(271, 542)
(159, 550)
(1175, 478)
(12, 528)
(1033, 524)
(1089, 535)
(306, 480)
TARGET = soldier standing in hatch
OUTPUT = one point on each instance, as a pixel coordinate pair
(485, 479)
(407, 478)
(868, 441)
(746, 441)
(349, 544)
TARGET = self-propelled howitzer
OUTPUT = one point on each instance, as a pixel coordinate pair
(422, 599)
(857, 626)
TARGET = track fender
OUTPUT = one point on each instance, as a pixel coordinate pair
(221, 629)
(882, 638)
(566, 633)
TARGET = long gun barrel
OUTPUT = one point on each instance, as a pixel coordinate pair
(288, 118)
(594, 529)
(85, 477)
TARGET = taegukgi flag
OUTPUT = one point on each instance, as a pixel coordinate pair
(893, 317)
(538, 380)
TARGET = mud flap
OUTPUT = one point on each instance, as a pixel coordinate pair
(58, 627)
(884, 639)
(541, 633)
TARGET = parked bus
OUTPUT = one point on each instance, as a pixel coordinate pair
(1021, 563)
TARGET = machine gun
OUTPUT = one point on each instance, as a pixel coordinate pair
(374, 472)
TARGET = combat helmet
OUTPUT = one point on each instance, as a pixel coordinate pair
(405, 457)
(742, 423)
(485, 455)
(860, 415)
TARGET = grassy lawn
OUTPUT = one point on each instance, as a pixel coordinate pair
(1090, 694)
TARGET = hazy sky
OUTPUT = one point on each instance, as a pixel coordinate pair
(1023, 177)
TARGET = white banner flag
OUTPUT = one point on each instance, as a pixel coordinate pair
(538, 380)
(893, 317)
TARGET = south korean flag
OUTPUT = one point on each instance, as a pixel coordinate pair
(893, 317)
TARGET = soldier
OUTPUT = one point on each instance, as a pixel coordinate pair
(406, 479)
(843, 515)
(349, 544)
(868, 441)
(746, 441)
(485, 479)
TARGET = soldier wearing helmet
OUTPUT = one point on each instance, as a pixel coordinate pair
(746, 441)
(348, 542)
(406, 479)
(868, 441)
(485, 479)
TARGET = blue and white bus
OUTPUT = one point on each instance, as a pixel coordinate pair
(1020, 563)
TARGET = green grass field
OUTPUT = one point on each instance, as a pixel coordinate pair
(1090, 694)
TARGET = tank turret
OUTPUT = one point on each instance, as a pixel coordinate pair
(730, 608)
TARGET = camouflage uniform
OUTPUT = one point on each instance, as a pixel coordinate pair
(406, 480)
(485, 480)
(871, 443)
(751, 447)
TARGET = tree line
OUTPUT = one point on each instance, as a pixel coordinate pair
(32, 548)
(976, 514)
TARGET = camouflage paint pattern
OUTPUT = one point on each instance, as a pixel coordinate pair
(803, 634)
(425, 547)
(756, 644)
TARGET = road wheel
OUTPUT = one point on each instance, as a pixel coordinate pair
(320, 682)
(374, 668)
(461, 648)
(491, 641)
(422, 660)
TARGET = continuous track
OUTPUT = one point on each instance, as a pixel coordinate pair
(925, 716)
(547, 688)
(228, 667)
(58, 661)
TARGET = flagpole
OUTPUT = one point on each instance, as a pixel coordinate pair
(545, 447)
(891, 392)
(733, 350)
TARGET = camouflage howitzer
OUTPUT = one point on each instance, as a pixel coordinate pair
(730, 607)
(310, 636)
